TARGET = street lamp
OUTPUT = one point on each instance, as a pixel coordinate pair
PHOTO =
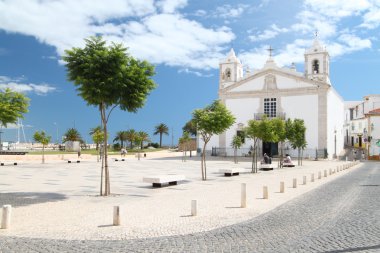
(56, 126)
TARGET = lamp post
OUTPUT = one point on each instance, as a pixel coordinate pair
(56, 127)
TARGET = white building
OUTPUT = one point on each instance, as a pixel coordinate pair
(285, 93)
(362, 124)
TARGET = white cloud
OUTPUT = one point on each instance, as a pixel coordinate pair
(197, 73)
(268, 34)
(152, 30)
(170, 6)
(372, 18)
(17, 84)
(338, 8)
(228, 11)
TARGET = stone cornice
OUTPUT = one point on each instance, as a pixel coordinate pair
(278, 72)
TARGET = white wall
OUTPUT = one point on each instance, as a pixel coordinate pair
(251, 85)
(335, 121)
(375, 133)
(288, 83)
(243, 109)
(304, 107)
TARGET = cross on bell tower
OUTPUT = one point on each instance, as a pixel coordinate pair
(270, 50)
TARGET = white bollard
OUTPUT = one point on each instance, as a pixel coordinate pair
(265, 192)
(312, 178)
(282, 187)
(330, 172)
(325, 173)
(6, 218)
(294, 182)
(346, 158)
(243, 195)
(304, 180)
(194, 208)
(116, 215)
(319, 175)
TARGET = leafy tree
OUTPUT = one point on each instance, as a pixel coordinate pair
(236, 143)
(252, 131)
(121, 136)
(161, 129)
(263, 130)
(130, 136)
(190, 127)
(72, 134)
(107, 77)
(184, 141)
(297, 137)
(12, 106)
(44, 139)
(213, 119)
(98, 137)
(280, 131)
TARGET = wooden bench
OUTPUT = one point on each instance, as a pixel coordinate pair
(230, 172)
(158, 180)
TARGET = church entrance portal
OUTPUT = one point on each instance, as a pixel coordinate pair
(270, 148)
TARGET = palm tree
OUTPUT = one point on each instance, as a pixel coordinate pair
(130, 136)
(96, 130)
(72, 134)
(121, 136)
(161, 129)
(143, 136)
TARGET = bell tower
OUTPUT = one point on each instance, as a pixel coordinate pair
(230, 70)
(317, 63)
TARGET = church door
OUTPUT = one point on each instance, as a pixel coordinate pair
(270, 148)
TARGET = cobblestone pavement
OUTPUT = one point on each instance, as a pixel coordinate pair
(341, 216)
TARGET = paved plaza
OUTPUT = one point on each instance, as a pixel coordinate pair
(56, 208)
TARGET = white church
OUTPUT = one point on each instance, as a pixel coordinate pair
(286, 93)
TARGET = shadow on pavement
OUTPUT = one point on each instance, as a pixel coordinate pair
(17, 199)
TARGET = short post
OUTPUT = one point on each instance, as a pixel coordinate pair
(312, 178)
(194, 208)
(243, 195)
(294, 182)
(265, 192)
(6, 218)
(330, 171)
(319, 175)
(116, 215)
(325, 173)
(282, 187)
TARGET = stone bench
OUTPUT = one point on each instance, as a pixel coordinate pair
(73, 161)
(117, 159)
(230, 172)
(284, 164)
(158, 180)
(2, 164)
(266, 166)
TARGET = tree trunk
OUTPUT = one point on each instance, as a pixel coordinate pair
(235, 155)
(160, 140)
(204, 162)
(43, 153)
(299, 156)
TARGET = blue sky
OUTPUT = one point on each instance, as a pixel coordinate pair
(185, 41)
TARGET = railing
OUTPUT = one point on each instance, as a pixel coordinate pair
(259, 116)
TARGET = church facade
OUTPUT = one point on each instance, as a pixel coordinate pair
(285, 93)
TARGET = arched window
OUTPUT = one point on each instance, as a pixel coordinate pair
(228, 74)
(315, 67)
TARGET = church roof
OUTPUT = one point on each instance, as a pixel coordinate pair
(376, 111)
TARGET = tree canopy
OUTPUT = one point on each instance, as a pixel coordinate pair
(161, 129)
(12, 106)
(213, 119)
(41, 137)
(106, 76)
